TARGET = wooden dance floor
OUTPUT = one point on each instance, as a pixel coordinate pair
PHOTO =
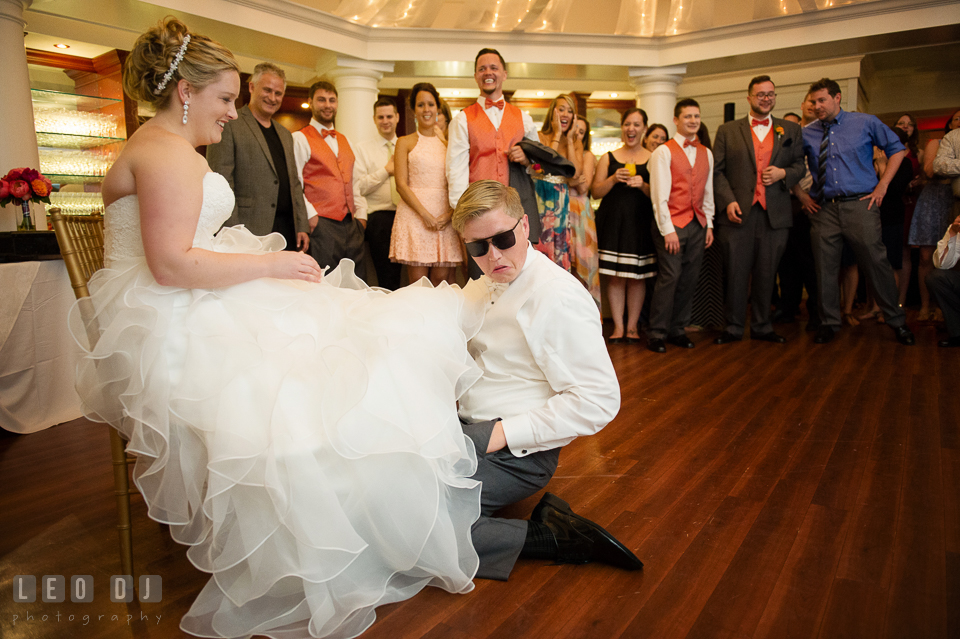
(771, 491)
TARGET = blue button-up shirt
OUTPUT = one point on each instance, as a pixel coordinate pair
(850, 154)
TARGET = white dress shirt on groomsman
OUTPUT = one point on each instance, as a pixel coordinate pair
(681, 187)
(373, 175)
(337, 211)
(482, 138)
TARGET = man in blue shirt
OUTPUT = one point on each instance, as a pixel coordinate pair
(846, 196)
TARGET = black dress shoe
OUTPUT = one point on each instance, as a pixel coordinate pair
(727, 337)
(681, 340)
(824, 334)
(769, 337)
(904, 335)
(950, 342)
(656, 345)
(579, 540)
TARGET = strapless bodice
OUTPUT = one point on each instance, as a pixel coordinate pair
(121, 233)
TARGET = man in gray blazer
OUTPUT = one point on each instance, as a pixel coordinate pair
(255, 154)
(757, 160)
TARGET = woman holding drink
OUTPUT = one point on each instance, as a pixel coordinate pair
(624, 222)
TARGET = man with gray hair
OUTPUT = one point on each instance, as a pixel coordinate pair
(255, 154)
(547, 379)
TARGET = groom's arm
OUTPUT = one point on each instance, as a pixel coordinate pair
(563, 330)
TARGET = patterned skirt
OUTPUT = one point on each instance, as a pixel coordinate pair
(553, 202)
(584, 252)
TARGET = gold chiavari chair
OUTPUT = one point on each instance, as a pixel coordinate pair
(81, 245)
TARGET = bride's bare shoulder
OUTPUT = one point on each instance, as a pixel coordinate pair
(150, 152)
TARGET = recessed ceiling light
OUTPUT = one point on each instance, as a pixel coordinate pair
(305, 105)
(61, 46)
(456, 93)
(539, 94)
(614, 95)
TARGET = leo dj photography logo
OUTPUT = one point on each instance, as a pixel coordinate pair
(53, 589)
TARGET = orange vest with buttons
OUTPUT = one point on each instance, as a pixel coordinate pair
(763, 152)
(687, 185)
(489, 146)
(328, 178)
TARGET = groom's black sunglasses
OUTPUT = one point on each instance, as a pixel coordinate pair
(503, 241)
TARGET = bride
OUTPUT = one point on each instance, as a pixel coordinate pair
(297, 431)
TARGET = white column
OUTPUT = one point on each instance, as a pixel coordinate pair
(357, 88)
(18, 139)
(657, 92)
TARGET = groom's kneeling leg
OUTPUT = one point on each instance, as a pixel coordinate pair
(506, 480)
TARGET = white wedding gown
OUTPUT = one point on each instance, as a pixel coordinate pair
(301, 438)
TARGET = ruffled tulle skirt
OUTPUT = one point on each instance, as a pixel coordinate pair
(302, 439)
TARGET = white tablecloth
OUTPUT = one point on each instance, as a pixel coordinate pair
(38, 357)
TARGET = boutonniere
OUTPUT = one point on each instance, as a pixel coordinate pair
(535, 169)
(779, 130)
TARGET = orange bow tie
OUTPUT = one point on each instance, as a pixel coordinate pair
(687, 143)
(490, 103)
(764, 122)
(328, 133)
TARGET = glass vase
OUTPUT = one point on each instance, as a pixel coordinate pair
(26, 224)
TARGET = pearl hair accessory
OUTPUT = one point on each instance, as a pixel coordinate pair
(173, 68)
(186, 107)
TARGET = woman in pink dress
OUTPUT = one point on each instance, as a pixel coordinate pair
(422, 236)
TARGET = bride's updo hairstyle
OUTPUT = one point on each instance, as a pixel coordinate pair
(156, 52)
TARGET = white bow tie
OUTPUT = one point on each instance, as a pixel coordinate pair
(496, 289)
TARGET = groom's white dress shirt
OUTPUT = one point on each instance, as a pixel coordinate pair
(546, 371)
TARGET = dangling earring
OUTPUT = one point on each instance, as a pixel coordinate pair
(186, 107)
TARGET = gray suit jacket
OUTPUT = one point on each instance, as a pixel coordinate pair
(243, 157)
(735, 170)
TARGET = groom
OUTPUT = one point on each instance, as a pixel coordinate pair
(547, 379)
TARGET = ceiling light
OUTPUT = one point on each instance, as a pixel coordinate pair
(614, 95)
(539, 94)
(305, 105)
(456, 93)
(61, 46)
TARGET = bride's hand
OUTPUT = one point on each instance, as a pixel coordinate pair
(292, 265)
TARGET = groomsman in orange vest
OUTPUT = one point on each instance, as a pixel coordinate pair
(336, 210)
(483, 137)
(681, 187)
(757, 160)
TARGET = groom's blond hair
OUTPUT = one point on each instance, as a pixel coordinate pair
(482, 197)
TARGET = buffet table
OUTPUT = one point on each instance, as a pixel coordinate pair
(38, 357)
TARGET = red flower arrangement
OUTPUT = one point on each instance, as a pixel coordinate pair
(22, 186)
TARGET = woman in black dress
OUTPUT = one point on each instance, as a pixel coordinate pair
(624, 221)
